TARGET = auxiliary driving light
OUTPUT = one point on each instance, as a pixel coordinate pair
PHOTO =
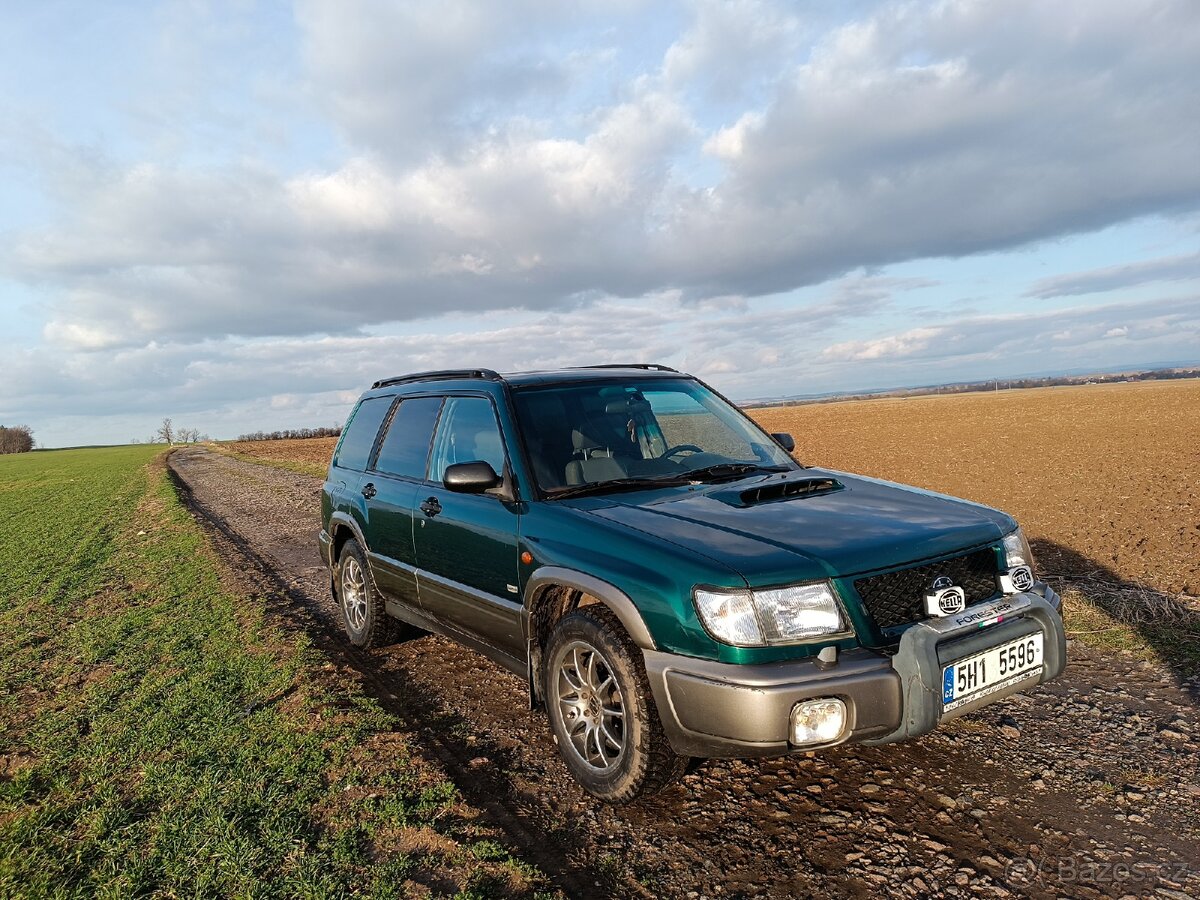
(818, 721)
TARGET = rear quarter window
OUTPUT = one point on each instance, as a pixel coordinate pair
(355, 447)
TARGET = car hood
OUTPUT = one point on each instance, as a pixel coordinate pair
(859, 524)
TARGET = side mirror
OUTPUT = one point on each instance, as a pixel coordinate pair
(471, 478)
(784, 440)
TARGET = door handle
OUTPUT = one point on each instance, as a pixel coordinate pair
(431, 506)
(368, 490)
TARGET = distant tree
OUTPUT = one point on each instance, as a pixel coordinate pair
(166, 432)
(16, 439)
(291, 434)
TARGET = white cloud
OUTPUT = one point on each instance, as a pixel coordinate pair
(158, 253)
(232, 386)
(730, 143)
(531, 162)
(914, 131)
(946, 129)
(1168, 268)
(729, 44)
(895, 346)
(1045, 340)
(280, 375)
(407, 78)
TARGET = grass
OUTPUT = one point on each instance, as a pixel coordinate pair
(1131, 619)
(159, 736)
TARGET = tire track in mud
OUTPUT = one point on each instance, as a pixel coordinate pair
(1017, 799)
(297, 606)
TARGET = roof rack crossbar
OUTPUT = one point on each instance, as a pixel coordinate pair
(439, 375)
(655, 367)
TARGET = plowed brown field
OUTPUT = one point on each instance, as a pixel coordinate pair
(307, 455)
(1104, 478)
(1101, 476)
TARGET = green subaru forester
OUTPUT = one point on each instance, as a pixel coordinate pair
(670, 581)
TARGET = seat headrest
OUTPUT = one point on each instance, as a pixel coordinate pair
(581, 441)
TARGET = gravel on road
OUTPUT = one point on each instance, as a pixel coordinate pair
(1086, 787)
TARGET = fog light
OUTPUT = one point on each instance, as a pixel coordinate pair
(818, 721)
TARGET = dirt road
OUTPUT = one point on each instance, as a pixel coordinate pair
(1086, 787)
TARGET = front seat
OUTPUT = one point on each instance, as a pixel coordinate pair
(594, 462)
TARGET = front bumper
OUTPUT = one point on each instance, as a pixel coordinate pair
(712, 709)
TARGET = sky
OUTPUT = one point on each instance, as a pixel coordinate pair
(239, 214)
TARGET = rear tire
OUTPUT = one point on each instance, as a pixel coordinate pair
(601, 710)
(364, 618)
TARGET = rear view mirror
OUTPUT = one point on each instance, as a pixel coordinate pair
(471, 478)
(784, 440)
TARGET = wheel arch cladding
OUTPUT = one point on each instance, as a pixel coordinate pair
(554, 592)
(552, 586)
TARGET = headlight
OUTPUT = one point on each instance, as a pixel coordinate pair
(784, 615)
(730, 617)
(1016, 550)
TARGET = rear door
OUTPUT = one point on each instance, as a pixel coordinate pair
(466, 544)
(390, 489)
(351, 458)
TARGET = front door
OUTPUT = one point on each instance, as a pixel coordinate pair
(466, 544)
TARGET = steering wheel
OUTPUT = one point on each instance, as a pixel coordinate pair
(679, 448)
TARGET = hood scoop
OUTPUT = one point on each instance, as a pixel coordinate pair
(787, 490)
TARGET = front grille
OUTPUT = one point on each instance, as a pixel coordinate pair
(897, 598)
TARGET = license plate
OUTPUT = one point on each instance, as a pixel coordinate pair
(990, 671)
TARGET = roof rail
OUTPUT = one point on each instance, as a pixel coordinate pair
(438, 375)
(656, 367)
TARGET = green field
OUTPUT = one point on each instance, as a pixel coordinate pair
(159, 736)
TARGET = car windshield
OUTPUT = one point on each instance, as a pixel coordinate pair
(628, 431)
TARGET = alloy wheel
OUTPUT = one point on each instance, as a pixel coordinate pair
(354, 594)
(590, 703)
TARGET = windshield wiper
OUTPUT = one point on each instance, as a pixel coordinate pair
(730, 470)
(708, 473)
(621, 484)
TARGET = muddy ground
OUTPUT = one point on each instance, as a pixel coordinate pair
(1089, 786)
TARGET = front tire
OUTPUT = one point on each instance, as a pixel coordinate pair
(364, 618)
(601, 710)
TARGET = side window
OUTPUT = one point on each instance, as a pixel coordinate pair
(356, 443)
(468, 432)
(405, 448)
